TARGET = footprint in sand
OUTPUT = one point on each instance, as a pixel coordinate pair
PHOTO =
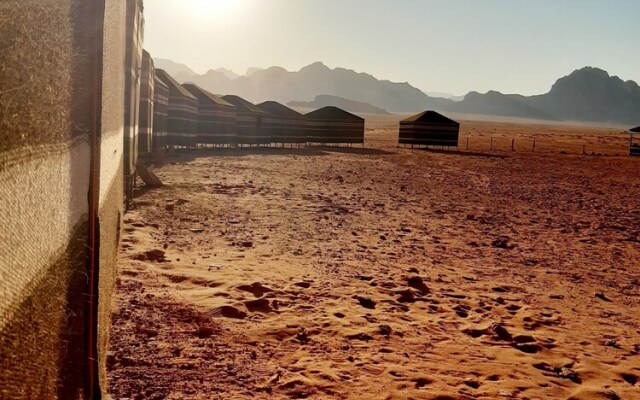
(228, 312)
(257, 289)
(259, 305)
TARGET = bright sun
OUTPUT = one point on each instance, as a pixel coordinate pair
(218, 7)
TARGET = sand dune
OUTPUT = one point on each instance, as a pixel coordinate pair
(382, 273)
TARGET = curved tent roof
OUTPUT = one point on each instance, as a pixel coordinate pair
(172, 83)
(280, 110)
(241, 104)
(431, 117)
(159, 82)
(197, 91)
(334, 114)
(635, 130)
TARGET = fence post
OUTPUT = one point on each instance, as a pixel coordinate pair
(491, 145)
(534, 145)
(467, 143)
(513, 144)
(584, 149)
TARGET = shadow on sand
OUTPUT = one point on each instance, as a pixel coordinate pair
(192, 154)
(464, 153)
(356, 150)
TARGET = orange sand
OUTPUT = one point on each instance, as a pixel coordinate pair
(385, 273)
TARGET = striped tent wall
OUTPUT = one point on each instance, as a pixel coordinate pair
(182, 113)
(62, 79)
(634, 148)
(249, 122)
(216, 118)
(332, 125)
(283, 124)
(429, 129)
(147, 86)
(160, 109)
(133, 66)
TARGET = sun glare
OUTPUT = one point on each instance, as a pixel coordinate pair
(212, 7)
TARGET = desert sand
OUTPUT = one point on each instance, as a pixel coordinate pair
(385, 273)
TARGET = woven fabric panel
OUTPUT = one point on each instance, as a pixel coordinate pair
(44, 177)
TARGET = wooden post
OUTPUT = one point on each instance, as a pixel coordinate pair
(534, 145)
(513, 144)
(583, 149)
(491, 145)
(467, 143)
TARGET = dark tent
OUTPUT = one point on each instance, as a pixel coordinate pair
(182, 113)
(133, 66)
(332, 125)
(634, 148)
(145, 124)
(283, 124)
(249, 121)
(160, 109)
(429, 129)
(216, 117)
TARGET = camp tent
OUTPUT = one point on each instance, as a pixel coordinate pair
(332, 125)
(145, 125)
(216, 117)
(249, 121)
(61, 190)
(283, 124)
(133, 66)
(182, 113)
(429, 128)
(634, 148)
(160, 109)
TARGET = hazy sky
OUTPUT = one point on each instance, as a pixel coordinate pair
(514, 46)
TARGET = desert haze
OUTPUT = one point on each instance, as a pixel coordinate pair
(385, 273)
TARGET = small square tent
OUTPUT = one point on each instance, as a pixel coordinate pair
(216, 117)
(145, 125)
(182, 113)
(429, 129)
(249, 121)
(634, 148)
(332, 125)
(160, 109)
(283, 124)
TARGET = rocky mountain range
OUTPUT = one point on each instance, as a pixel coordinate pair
(588, 94)
(324, 100)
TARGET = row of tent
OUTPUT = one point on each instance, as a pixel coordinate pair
(161, 113)
(186, 115)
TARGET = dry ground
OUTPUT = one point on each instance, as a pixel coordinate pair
(384, 273)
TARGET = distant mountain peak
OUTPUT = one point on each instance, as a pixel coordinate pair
(316, 66)
(228, 73)
(253, 70)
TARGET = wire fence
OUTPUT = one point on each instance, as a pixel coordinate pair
(597, 145)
